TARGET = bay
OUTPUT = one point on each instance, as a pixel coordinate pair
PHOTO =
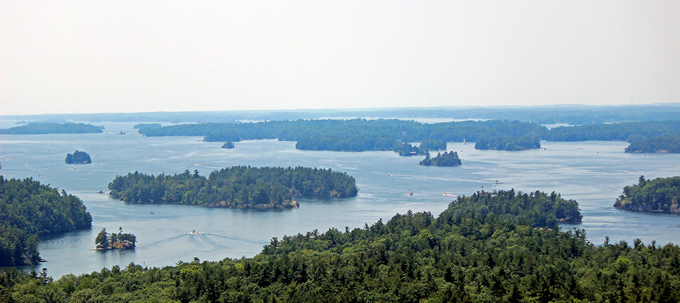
(593, 173)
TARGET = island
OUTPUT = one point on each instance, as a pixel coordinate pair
(503, 246)
(78, 157)
(52, 128)
(660, 195)
(659, 145)
(445, 159)
(29, 209)
(350, 143)
(508, 143)
(120, 240)
(228, 145)
(235, 187)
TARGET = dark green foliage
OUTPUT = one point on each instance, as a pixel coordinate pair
(141, 126)
(228, 145)
(29, 209)
(445, 159)
(658, 195)
(536, 209)
(235, 187)
(432, 144)
(628, 131)
(52, 128)
(120, 240)
(412, 258)
(406, 149)
(78, 157)
(655, 145)
(508, 143)
(353, 144)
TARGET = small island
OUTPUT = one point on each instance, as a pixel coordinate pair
(78, 157)
(660, 195)
(52, 128)
(235, 187)
(228, 145)
(445, 159)
(508, 143)
(106, 241)
(659, 145)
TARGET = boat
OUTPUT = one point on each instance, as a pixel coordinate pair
(151, 212)
(450, 195)
(193, 232)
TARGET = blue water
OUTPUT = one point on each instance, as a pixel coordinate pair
(593, 173)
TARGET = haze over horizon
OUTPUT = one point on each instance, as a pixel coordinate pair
(131, 56)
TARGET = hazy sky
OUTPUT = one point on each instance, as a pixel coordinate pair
(132, 56)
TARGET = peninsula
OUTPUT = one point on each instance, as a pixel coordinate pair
(660, 195)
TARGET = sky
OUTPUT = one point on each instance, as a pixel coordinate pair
(79, 56)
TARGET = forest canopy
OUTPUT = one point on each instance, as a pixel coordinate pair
(78, 157)
(658, 195)
(442, 159)
(28, 210)
(464, 255)
(234, 187)
(660, 145)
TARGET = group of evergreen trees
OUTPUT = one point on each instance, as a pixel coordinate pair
(353, 144)
(118, 240)
(78, 157)
(655, 145)
(508, 143)
(445, 159)
(478, 250)
(29, 209)
(658, 195)
(228, 145)
(235, 187)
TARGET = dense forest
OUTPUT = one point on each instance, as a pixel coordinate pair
(78, 157)
(147, 126)
(445, 159)
(508, 143)
(234, 187)
(658, 195)
(655, 145)
(467, 254)
(353, 144)
(28, 210)
(52, 128)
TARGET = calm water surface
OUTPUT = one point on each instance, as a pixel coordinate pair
(593, 173)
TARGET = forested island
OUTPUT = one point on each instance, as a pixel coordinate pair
(28, 210)
(508, 143)
(78, 157)
(483, 248)
(120, 240)
(146, 126)
(445, 159)
(352, 144)
(228, 145)
(235, 187)
(627, 131)
(658, 195)
(659, 145)
(52, 128)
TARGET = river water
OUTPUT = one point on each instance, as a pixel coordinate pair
(593, 173)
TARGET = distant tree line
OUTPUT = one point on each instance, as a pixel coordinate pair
(482, 249)
(28, 210)
(234, 187)
(353, 144)
(627, 131)
(78, 157)
(508, 143)
(655, 145)
(658, 195)
(147, 126)
(52, 128)
(442, 159)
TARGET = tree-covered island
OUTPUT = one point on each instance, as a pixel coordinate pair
(28, 210)
(483, 248)
(120, 240)
(78, 157)
(658, 195)
(228, 145)
(235, 187)
(508, 143)
(442, 159)
(52, 128)
(660, 145)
